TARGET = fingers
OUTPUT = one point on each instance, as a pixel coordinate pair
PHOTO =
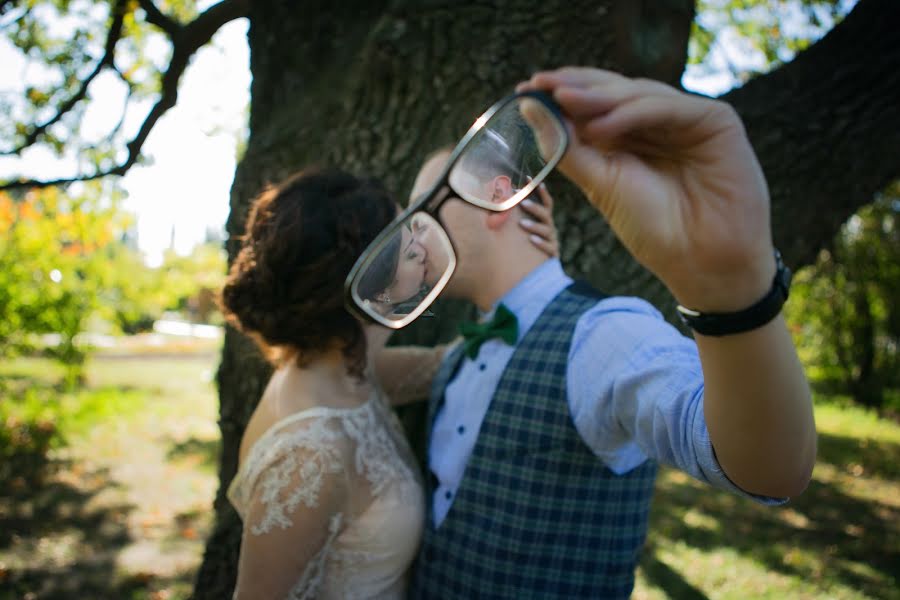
(541, 211)
(539, 223)
(542, 236)
(593, 171)
(551, 249)
(577, 77)
(612, 104)
(543, 125)
(636, 115)
(547, 200)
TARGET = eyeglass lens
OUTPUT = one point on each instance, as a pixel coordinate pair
(408, 269)
(519, 144)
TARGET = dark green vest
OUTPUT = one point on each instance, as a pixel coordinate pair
(537, 514)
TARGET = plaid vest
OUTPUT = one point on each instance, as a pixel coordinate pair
(537, 514)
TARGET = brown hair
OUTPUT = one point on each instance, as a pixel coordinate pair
(285, 288)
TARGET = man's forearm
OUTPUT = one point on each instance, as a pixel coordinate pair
(759, 410)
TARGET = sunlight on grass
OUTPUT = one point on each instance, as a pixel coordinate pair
(838, 540)
(839, 416)
(128, 505)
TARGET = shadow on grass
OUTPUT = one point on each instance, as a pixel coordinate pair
(823, 537)
(866, 457)
(59, 539)
(206, 449)
(666, 578)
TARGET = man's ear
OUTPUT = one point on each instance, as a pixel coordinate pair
(501, 188)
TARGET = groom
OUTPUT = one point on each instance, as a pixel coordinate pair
(544, 440)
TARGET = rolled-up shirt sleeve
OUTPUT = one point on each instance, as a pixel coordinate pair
(635, 387)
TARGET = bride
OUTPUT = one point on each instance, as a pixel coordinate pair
(328, 490)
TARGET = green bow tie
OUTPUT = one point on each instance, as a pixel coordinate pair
(504, 325)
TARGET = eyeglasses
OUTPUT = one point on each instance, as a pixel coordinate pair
(501, 160)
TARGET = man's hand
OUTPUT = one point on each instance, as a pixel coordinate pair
(675, 177)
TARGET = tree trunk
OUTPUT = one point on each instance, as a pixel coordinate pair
(374, 86)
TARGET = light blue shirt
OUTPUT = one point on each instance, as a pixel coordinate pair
(634, 383)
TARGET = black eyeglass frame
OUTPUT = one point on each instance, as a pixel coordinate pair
(431, 201)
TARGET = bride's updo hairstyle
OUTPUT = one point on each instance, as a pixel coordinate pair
(285, 288)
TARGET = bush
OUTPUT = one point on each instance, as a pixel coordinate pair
(28, 433)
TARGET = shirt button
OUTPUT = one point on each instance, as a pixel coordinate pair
(461, 429)
(448, 494)
(482, 367)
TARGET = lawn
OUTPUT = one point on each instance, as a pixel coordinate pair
(839, 540)
(126, 504)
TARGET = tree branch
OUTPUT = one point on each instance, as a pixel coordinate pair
(189, 39)
(156, 17)
(112, 38)
(834, 110)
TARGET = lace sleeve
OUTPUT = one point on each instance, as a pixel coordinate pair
(405, 372)
(293, 511)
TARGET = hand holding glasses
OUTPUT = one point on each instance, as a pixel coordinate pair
(501, 160)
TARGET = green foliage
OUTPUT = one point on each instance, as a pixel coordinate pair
(62, 44)
(27, 433)
(53, 266)
(756, 35)
(846, 310)
(191, 282)
(39, 412)
(62, 264)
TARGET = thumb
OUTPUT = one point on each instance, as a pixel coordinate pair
(592, 171)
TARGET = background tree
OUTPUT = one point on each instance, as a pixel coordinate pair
(53, 249)
(846, 306)
(373, 86)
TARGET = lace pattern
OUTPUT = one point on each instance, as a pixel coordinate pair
(289, 465)
(280, 500)
(311, 581)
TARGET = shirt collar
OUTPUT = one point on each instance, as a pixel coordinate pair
(533, 293)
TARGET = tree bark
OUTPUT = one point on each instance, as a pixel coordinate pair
(374, 86)
(826, 127)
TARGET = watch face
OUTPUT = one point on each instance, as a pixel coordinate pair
(783, 275)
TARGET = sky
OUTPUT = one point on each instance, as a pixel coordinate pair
(184, 190)
(185, 185)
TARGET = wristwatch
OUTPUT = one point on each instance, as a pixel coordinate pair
(720, 324)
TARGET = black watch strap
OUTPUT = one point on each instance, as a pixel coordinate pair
(719, 324)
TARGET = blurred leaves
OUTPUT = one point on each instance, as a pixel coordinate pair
(68, 259)
(845, 309)
(52, 266)
(749, 36)
(63, 46)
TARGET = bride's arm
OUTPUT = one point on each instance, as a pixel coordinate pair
(285, 544)
(405, 372)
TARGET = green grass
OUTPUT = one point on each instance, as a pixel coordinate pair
(125, 505)
(838, 540)
(125, 512)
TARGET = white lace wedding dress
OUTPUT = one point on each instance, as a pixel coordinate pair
(336, 492)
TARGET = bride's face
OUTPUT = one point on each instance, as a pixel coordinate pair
(410, 273)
